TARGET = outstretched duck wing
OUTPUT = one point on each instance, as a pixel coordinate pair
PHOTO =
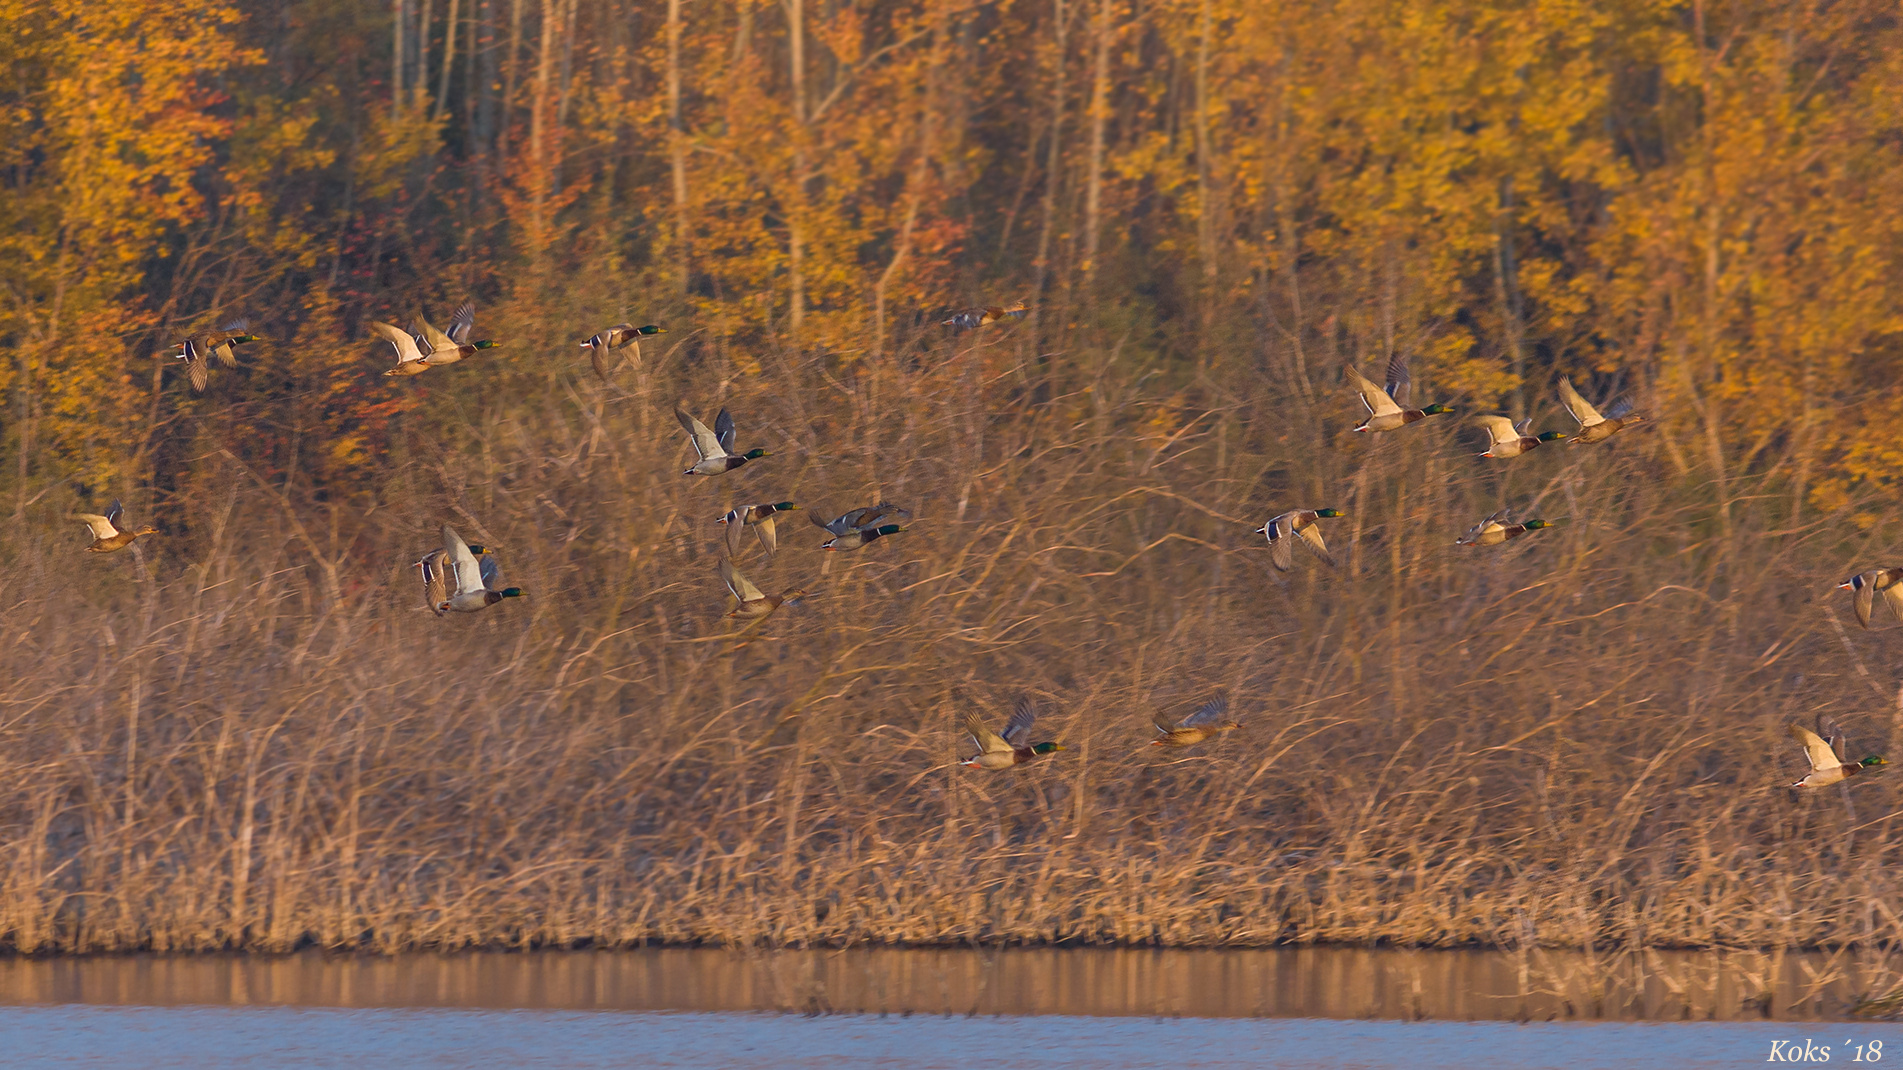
(989, 742)
(1281, 542)
(462, 563)
(436, 340)
(1865, 599)
(1398, 380)
(1581, 409)
(1017, 731)
(705, 443)
(743, 590)
(1893, 597)
(1211, 712)
(491, 572)
(435, 585)
(219, 341)
(1499, 428)
(724, 430)
(195, 364)
(463, 323)
(406, 350)
(1312, 538)
(734, 520)
(101, 526)
(1376, 399)
(868, 516)
(1819, 752)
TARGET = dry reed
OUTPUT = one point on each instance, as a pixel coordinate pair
(249, 734)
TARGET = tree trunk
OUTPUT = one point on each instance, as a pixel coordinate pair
(677, 142)
(538, 167)
(509, 67)
(914, 184)
(1506, 291)
(419, 81)
(1054, 159)
(1099, 121)
(1205, 191)
(449, 61)
(795, 216)
(396, 57)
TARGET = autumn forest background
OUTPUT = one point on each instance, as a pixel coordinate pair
(246, 732)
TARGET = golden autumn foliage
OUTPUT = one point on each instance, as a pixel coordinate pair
(225, 736)
(1694, 203)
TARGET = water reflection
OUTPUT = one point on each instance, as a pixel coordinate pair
(1291, 982)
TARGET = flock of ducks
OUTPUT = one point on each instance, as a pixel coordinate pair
(462, 578)
(1388, 410)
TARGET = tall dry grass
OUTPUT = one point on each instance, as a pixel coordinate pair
(250, 734)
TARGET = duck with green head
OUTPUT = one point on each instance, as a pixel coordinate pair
(105, 529)
(615, 337)
(1014, 747)
(448, 347)
(1498, 528)
(757, 517)
(1283, 530)
(475, 580)
(1825, 767)
(1387, 406)
(716, 447)
(196, 351)
(857, 527)
(1510, 440)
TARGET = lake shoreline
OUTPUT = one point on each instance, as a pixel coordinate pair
(1289, 982)
(371, 949)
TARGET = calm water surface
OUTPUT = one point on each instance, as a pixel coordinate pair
(865, 1008)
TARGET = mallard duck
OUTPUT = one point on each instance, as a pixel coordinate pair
(1387, 407)
(749, 602)
(1210, 720)
(1825, 767)
(448, 347)
(1867, 585)
(715, 447)
(435, 585)
(1496, 529)
(852, 540)
(1014, 747)
(853, 519)
(1511, 441)
(856, 527)
(475, 580)
(757, 517)
(1296, 522)
(197, 351)
(410, 359)
(973, 318)
(621, 334)
(106, 534)
(1594, 427)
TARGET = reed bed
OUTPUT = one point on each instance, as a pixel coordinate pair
(249, 734)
